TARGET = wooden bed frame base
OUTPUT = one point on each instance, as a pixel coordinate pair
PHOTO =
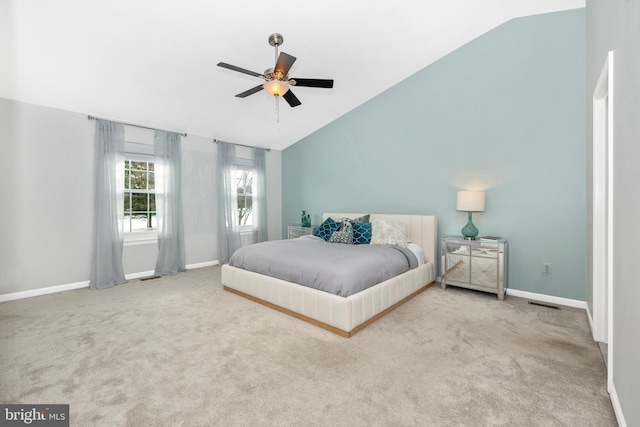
(346, 334)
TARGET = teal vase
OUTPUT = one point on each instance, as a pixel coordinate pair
(469, 231)
(306, 219)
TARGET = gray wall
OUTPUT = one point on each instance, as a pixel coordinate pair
(615, 25)
(46, 192)
(504, 113)
(46, 189)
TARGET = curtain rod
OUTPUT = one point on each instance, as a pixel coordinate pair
(90, 117)
(241, 145)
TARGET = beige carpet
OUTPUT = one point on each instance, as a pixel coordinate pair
(179, 351)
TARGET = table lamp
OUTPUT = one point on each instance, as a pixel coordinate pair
(470, 201)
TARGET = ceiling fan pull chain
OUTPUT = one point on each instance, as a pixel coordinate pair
(277, 108)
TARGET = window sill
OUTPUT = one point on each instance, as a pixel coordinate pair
(133, 239)
(246, 229)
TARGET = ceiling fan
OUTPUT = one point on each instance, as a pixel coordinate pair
(276, 79)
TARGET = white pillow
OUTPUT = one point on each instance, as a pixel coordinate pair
(388, 233)
(417, 251)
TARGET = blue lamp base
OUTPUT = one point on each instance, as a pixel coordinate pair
(469, 231)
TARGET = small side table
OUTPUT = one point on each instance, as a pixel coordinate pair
(295, 231)
(475, 264)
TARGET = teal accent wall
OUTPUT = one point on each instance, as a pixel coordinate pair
(504, 113)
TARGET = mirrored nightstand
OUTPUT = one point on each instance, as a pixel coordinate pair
(295, 231)
(475, 264)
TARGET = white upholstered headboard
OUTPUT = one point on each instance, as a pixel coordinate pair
(422, 229)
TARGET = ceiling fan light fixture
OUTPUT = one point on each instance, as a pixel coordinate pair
(276, 80)
(276, 87)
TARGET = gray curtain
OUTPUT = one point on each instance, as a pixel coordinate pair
(106, 266)
(260, 198)
(228, 228)
(168, 172)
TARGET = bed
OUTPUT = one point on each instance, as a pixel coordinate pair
(343, 315)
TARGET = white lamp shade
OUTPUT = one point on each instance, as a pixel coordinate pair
(470, 201)
(276, 87)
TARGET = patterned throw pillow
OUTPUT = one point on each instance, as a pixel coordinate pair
(361, 233)
(389, 233)
(343, 235)
(326, 229)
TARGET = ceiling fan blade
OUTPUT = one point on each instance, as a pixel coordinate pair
(325, 83)
(285, 61)
(241, 70)
(291, 99)
(249, 92)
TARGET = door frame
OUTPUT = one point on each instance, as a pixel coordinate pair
(602, 190)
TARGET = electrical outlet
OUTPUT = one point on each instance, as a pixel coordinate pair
(546, 267)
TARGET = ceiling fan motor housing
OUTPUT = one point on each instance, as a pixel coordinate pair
(270, 74)
(276, 39)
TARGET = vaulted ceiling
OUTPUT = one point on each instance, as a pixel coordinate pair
(154, 62)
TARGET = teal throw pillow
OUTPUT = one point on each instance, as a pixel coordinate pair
(326, 229)
(361, 233)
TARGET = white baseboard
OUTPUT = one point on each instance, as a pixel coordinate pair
(590, 319)
(44, 291)
(617, 409)
(202, 264)
(85, 283)
(548, 299)
(140, 275)
(543, 298)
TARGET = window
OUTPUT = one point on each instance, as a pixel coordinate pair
(245, 190)
(139, 197)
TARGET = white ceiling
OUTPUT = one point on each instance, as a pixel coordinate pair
(154, 62)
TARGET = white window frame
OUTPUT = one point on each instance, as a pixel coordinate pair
(248, 228)
(132, 238)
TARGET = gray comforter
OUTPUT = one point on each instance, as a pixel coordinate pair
(340, 269)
